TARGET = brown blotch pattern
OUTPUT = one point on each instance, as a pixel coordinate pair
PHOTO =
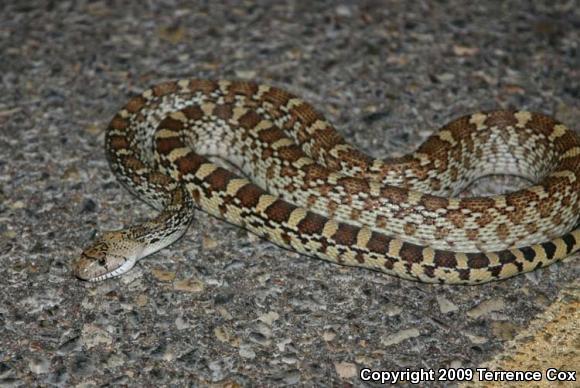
(460, 128)
(160, 180)
(291, 153)
(379, 243)
(464, 274)
(445, 259)
(314, 172)
(249, 120)
(164, 88)
(542, 123)
(277, 97)
(203, 86)
(410, 228)
(249, 195)
(457, 218)
(355, 214)
(389, 263)
(189, 164)
(331, 207)
(118, 142)
(429, 271)
(119, 123)
(279, 211)
(312, 223)
(219, 179)
(441, 232)
(167, 144)
(135, 104)
(532, 227)
(484, 219)
(477, 205)
(394, 195)
(501, 119)
(286, 237)
(435, 184)
(266, 153)
(346, 234)
(306, 114)
(506, 257)
(223, 111)
(328, 138)
(354, 185)
(241, 88)
(472, 234)
(381, 221)
(193, 112)
(563, 141)
(271, 135)
(502, 231)
(432, 203)
(171, 124)
(133, 163)
(477, 260)
(411, 253)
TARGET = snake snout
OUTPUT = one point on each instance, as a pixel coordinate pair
(92, 263)
(81, 267)
(109, 256)
(96, 262)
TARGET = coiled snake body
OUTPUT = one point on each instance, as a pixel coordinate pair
(313, 193)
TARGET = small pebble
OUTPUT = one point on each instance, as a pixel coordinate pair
(328, 335)
(93, 335)
(39, 365)
(209, 243)
(292, 377)
(346, 370)
(181, 323)
(505, 330)
(400, 336)
(246, 351)
(189, 285)
(269, 318)
(445, 305)
(486, 307)
(163, 275)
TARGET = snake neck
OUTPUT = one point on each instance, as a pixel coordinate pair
(116, 252)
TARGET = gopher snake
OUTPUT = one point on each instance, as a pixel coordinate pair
(315, 194)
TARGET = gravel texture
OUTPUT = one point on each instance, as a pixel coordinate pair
(221, 306)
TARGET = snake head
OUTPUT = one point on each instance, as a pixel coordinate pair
(112, 254)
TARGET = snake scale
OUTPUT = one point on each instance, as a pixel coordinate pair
(301, 186)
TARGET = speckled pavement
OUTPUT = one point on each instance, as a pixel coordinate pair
(221, 307)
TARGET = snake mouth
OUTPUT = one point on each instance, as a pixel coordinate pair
(94, 269)
(126, 266)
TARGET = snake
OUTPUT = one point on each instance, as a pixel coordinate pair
(263, 159)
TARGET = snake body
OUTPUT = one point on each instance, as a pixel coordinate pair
(309, 191)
